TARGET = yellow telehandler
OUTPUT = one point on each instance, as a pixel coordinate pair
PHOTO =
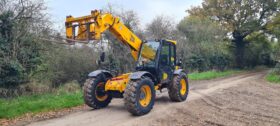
(157, 66)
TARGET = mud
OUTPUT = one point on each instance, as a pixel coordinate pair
(244, 99)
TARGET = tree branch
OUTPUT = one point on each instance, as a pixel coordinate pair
(21, 12)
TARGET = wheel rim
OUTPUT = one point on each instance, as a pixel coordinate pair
(99, 92)
(145, 96)
(183, 89)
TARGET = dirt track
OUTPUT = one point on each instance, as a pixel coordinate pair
(245, 99)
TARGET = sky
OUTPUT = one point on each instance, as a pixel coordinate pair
(146, 9)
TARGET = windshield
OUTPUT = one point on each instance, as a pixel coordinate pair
(148, 54)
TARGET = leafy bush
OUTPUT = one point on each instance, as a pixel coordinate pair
(203, 46)
(219, 61)
(196, 62)
(204, 62)
(258, 51)
(65, 64)
(19, 44)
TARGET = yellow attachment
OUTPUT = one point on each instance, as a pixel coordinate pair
(117, 83)
(183, 89)
(100, 97)
(145, 95)
(92, 26)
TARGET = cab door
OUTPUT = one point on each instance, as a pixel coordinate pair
(166, 62)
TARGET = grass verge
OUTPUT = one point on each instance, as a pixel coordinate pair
(10, 108)
(272, 77)
(212, 74)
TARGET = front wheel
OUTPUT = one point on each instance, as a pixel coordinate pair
(94, 93)
(179, 88)
(139, 96)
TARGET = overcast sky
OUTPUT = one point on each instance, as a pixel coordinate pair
(146, 9)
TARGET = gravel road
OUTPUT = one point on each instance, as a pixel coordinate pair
(244, 99)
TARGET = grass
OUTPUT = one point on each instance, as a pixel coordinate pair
(10, 108)
(272, 77)
(211, 74)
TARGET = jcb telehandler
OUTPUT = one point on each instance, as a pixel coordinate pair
(157, 66)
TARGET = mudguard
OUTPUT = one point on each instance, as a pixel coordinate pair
(177, 72)
(98, 72)
(139, 74)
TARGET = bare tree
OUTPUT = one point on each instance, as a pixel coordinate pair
(161, 27)
(119, 55)
(22, 22)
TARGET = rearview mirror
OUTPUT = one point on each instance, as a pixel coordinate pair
(179, 62)
(102, 57)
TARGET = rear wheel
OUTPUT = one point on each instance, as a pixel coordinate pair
(139, 96)
(179, 88)
(94, 93)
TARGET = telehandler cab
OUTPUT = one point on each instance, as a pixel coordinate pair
(157, 66)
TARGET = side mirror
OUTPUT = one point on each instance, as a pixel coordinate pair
(179, 62)
(102, 57)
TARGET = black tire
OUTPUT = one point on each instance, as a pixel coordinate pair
(175, 88)
(94, 94)
(132, 96)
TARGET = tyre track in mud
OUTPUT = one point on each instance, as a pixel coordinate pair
(251, 102)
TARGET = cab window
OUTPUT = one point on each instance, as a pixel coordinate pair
(173, 55)
(165, 55)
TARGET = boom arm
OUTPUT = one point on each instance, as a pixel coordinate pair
(92, 26)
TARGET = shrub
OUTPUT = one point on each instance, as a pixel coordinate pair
(72, 86)
(219, 61)
(196, 62)
(276, 70)
(20, 46)
(66, 64)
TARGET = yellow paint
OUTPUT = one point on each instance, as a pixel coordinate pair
(117, 83)
(148, 52)
(147, 95)
(92, 26)
(99, 23)
(100, 98)
(183, 89)
(172, 41)
(177, 67)
(157, 87)
(164, 76)
(172, 59)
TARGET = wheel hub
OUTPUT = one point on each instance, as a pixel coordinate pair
(183, 86)
(142, 95)
(100, 93)
(145, 96)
